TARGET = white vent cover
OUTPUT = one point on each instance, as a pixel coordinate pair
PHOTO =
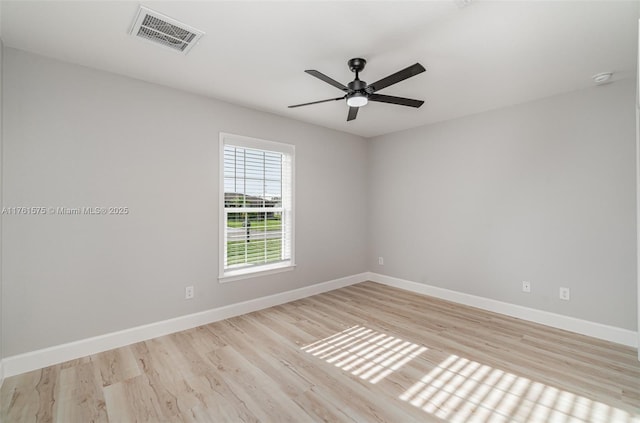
(163, 30)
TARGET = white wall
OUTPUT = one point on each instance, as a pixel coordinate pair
(79, 137)
(543, 191)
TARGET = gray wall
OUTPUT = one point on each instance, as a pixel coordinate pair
(1, 204)
(543, 191)
(79, 137)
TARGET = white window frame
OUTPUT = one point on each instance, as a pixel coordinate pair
(288, 205)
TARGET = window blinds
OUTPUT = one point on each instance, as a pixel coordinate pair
(257, 207)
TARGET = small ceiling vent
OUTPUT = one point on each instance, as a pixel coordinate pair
(163, 30)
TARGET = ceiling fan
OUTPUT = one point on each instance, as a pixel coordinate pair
(358, 93)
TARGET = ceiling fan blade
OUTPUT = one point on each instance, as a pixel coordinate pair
(405, 73)
(316, 102)
(326, 79)
(396, 100)
(353, 112)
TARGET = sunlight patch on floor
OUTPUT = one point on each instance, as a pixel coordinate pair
(364, 352)
(462, 390)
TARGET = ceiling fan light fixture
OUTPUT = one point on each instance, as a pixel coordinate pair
(357, 100)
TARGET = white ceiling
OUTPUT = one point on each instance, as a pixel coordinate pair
(480, 57)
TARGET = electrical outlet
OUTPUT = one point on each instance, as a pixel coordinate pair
(526, 286)
(565, 294)
(188, 292)
(381, 261)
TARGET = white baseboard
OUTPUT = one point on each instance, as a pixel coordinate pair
(34, 360)
(584, 327)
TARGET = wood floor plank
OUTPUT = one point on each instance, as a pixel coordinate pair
(255, 388)
(221, 401)
(322, 409)
(80, 397)
(46, 393)
(163, 367)
(282, 375)
(133, 400)
(364, 353)
(115, 366)
(19, 398)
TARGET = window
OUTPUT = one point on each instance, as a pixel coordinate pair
(256, 218)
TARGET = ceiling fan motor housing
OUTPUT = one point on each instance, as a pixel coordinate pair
(357, 85)
(357, 64)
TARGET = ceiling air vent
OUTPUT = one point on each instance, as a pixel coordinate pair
(163, 30)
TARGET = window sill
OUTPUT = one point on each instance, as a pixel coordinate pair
(234, 275)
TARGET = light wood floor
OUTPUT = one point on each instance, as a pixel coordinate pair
(365, 353)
